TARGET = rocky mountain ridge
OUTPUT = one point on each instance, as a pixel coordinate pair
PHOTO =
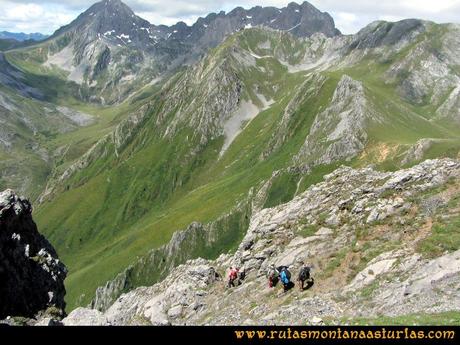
(367, 235)
(110, 48)
(32, 276)
(21, 36)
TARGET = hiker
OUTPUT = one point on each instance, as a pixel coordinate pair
(272, 275)
(285, 277)
(232, 276)
(304, 275)
(241, 276)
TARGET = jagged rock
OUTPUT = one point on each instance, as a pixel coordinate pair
(382, 33)
(375, 268)
(416, 152)
(155, 311)
(316, 321)
(160, 303)
(31, 275)
(48, 321)
(85, 317)
(324, 232)
(423, 289)
(339, 131)
(176, 312)
(333, 220)
(373, 216)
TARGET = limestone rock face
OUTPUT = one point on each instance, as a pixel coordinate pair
(339, 132)
(31, 275)
(85, 317)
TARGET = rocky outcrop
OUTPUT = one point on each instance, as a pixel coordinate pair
(31, 275)
(427, 74)
(359, 229)
(216, 91)
(380, 33)
(425, 286)
(339, 132)
(169, 300)
(416, 152)
(305, 93)
(450, 109)
(85, 317)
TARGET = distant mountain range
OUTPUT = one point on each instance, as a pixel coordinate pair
(113, 51)
(22, 36)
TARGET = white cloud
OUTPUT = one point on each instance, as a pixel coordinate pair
(429, 6)
(33, 17)
(440, 11)
(346, 21)
(350, 16)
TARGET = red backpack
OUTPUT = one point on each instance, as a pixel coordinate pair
(233, 274)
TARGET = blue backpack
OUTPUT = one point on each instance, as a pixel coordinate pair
(284, 277)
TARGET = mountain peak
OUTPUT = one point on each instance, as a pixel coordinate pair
(111, 20)
(110, 5)
(109, 8)
(110, 26)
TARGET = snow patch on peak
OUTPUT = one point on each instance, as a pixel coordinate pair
(295, 26)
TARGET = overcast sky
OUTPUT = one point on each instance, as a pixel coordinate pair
(46, 16)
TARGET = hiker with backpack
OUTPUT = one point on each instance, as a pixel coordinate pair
(241, 276)
(272, 275)
(304, 275)
(232, 276)
(285, 277)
